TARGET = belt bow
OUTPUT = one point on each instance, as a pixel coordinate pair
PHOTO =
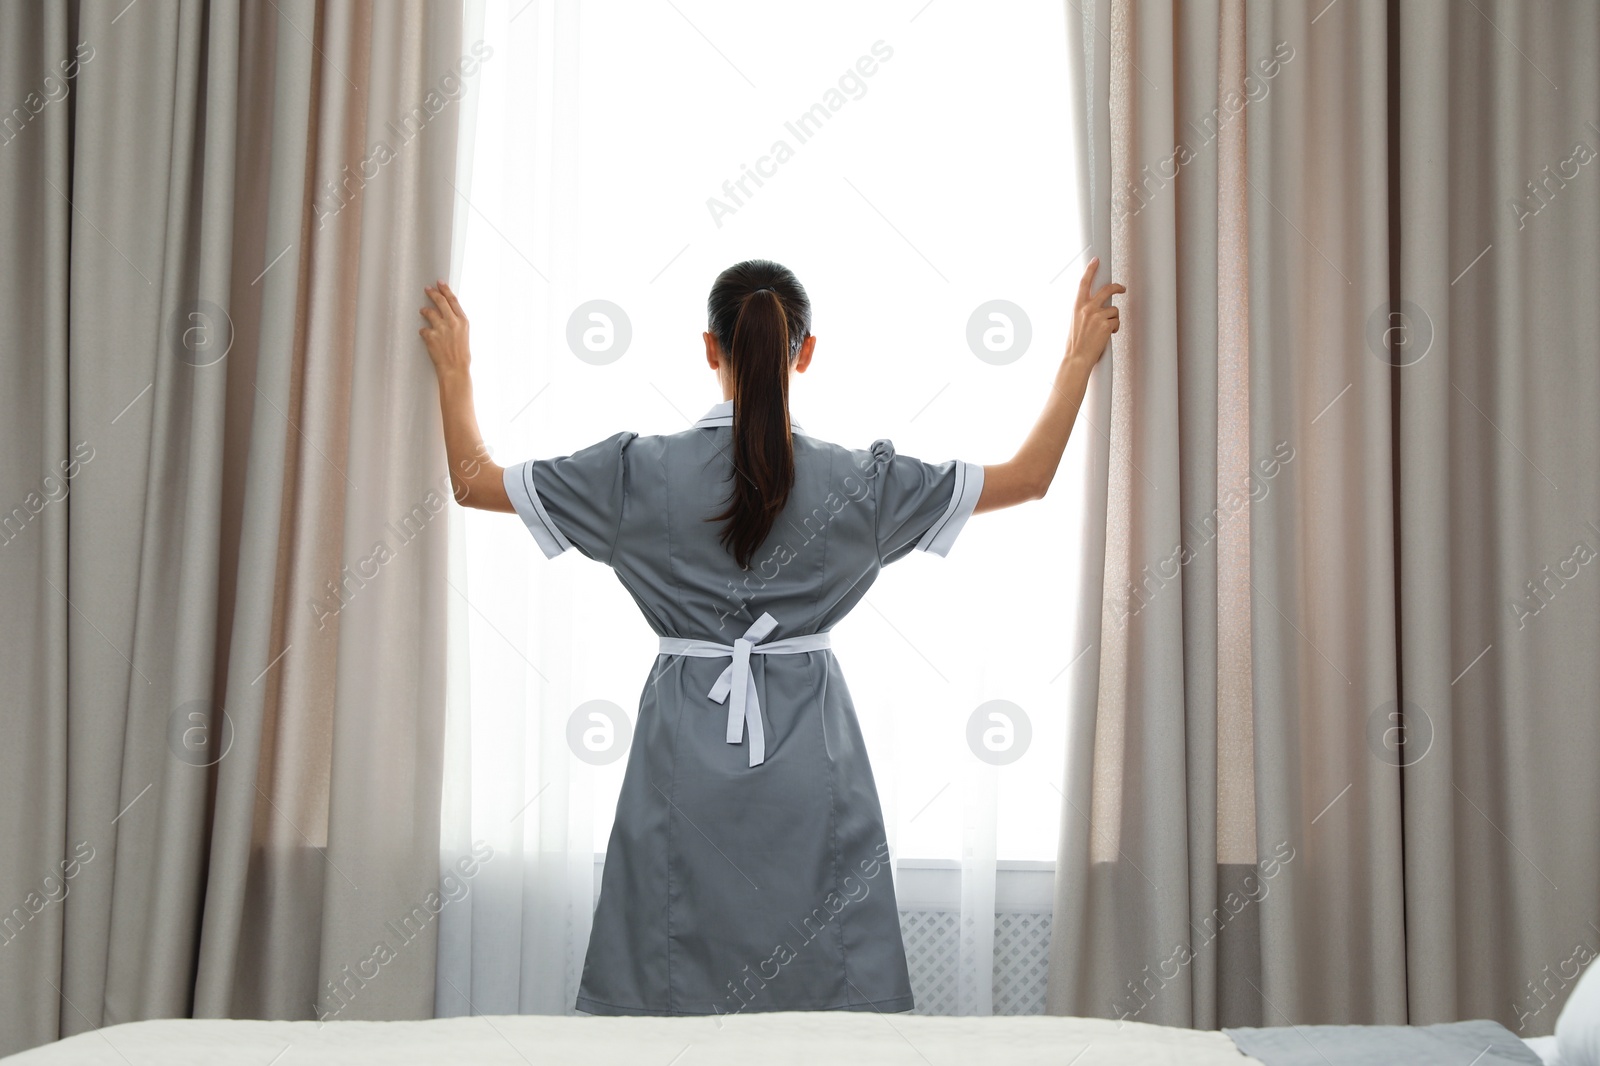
(738, 682)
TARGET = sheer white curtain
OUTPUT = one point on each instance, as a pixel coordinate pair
(514, 798)
(627, 153)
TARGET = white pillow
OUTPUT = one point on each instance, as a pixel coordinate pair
(1544, 1047)
(1578, 1027)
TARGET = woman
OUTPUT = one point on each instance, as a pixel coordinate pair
(747, 866)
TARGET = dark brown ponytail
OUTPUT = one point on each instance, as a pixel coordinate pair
(760, 315)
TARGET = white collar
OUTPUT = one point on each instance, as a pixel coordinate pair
(721, 414)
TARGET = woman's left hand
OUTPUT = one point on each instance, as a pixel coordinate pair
(446, 331)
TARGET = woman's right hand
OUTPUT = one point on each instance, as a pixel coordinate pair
(1094, 319)
(1028, 474)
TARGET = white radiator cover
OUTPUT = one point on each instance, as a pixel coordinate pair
(929, 893)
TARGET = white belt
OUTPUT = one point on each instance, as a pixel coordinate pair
(737, 680)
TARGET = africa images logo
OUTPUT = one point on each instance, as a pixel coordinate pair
(806, 125)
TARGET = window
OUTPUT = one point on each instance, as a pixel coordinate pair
(925, 172)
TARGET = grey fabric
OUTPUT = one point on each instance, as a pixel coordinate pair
(1348, 501)
(217, 789)
(1498, 506)
(1446, 1044)
(730, 887)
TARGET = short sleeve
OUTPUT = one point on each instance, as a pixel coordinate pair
(921, 505)
(573, 501)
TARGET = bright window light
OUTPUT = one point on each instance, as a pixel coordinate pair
(912, 163)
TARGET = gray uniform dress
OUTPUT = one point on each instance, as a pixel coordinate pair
(747, 867)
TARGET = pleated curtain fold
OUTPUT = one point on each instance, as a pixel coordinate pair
(222, 508)
(1331, 757)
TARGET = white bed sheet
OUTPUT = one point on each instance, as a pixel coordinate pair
(774, 1039)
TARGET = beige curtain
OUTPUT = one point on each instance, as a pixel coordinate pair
(1331, 757)
(221, 531)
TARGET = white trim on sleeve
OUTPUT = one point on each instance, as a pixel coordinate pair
(963, 498)
(525, 501)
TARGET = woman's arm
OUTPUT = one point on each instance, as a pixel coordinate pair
(1028, 474)
(474, 477)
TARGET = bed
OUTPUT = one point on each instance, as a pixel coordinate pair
(770, 1040)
